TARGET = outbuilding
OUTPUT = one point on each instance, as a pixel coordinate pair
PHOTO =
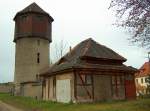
(89, 72)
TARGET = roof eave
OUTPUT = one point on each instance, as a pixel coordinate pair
(22, 13)
(47, 74)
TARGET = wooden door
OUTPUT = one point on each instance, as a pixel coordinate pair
(130, 90)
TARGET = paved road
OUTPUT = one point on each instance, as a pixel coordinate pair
(6, 107)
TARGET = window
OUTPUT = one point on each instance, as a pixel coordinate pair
(38, 42)
(39, 18)
(142, 80)
(146, 80)
(84, 79)
(54, 86)
(38, 58)
(37, 76)
(24, 18)
(88, 79)
(129, 77)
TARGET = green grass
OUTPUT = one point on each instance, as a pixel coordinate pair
(29, 104)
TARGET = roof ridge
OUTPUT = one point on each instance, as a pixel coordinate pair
(85, 49)
(32, 5)
(33, 8)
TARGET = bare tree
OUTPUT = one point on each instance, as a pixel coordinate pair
(134, 15)
(59, 50)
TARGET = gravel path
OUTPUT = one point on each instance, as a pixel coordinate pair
(6, 107)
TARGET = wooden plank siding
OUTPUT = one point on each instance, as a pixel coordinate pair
(89, 86)
(130, 88)
(91, 89)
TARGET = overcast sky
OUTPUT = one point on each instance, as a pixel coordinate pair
(74, 21)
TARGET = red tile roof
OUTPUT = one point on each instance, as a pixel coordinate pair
(144, 70)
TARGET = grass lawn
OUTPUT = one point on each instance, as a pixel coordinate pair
(29, 104)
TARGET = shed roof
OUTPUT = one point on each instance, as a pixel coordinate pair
(89, 49)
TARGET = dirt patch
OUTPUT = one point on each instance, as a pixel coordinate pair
(6, 107)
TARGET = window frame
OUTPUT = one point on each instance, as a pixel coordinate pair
(142, 80)
(24, 18)
(38, 58)
(83, 79)
(39, 18)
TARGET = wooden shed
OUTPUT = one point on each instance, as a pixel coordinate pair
(90, 72)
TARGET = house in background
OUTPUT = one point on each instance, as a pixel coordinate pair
(141, 78)
(89, 72)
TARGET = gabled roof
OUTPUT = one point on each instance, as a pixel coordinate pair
(33, 8)
(144, 70)
(88, 49)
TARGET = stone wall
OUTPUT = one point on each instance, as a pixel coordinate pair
(26, 65)
(6, 87)
(33, 90)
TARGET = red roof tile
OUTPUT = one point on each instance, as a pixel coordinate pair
(144, 70)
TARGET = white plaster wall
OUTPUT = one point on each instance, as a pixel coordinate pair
(139, 81)
(140, 85)
(63, 90)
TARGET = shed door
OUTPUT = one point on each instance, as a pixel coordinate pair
(130, 90)
(63, 91)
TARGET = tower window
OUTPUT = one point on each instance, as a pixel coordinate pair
(37, 77)
(38, 58)
(142, 80)
(24, 18)
(38, 42)
(39, 18)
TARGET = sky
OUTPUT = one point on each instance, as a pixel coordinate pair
(74, 21)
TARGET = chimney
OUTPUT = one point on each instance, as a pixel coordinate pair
(70, 48)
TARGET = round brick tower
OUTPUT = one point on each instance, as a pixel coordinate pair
(32, 37)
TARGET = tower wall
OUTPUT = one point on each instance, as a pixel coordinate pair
(32, 37)
(32, 55)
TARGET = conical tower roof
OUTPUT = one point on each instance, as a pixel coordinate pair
(32, 8)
